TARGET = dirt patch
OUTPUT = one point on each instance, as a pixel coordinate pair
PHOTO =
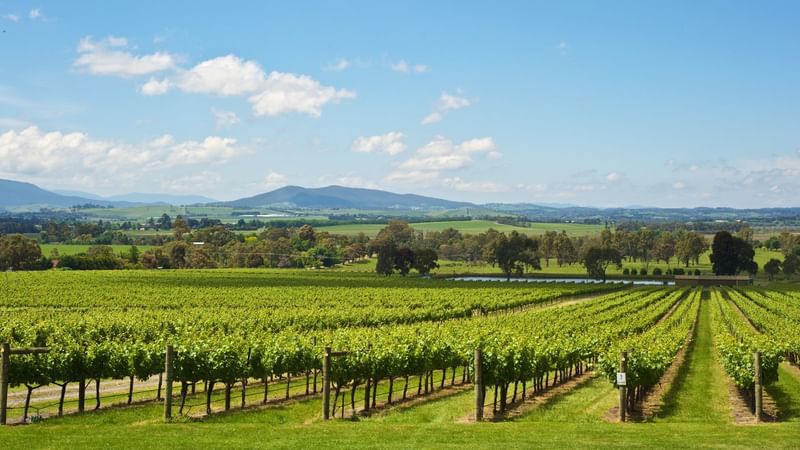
(740, 408)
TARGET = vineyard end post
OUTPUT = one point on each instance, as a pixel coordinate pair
(478, 385)
(758, 387)
(6, 350)
(326, 384)
(169, 356)
(623, 390)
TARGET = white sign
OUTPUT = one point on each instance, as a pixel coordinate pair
(622, 379)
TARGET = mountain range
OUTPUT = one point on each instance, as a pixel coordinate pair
(343, 198)
(21, 196)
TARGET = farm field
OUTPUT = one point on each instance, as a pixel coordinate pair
(469, 227)
(401, 334)
(73, 249)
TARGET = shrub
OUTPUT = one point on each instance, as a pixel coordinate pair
(625, 271)
(642, 271)
(657, 272)
(697, 272)
(678, 271)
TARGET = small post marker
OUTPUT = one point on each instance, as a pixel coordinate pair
(623, 387)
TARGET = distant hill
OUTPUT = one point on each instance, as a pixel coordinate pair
(343, 197)
(14, 194)
(143, 198)
(17, 193)
(169, 199)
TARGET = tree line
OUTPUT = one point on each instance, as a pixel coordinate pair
(399, 248)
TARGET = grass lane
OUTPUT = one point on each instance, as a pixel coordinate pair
(699, 393)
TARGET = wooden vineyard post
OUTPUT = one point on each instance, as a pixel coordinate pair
(4, 382)
(478, 385)
(5, 363)
(623, 388)
(168, 388)
(326, 384)
(758, 387)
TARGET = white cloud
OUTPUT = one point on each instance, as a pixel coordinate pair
(35, 14)
(432, 118)
(225, 119)
(562, 47)
(270, 95)
(458, 184)
(400, 66)
(155, 87)
(12, 17)
(446, 102)
(274, 180)
(390, 143)
(32, 152)
(614, 176)
(287, 92)
(229, 75)
(442, 154)
(338, 66)
(449, 102)
(403, 66)
(226, 75)
(108, 57)
(678, 185)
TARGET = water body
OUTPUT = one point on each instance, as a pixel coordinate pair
(569, 280)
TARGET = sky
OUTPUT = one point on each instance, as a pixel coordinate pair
(612, 103)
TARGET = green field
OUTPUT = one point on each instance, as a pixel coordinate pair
(697, 409)
(468, 226)
(72, 249)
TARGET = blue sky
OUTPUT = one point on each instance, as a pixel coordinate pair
(592, 103)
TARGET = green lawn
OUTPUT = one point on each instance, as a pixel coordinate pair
(72, 249)
(698, 395)
(469, 226)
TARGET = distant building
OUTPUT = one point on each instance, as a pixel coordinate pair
(712, 280)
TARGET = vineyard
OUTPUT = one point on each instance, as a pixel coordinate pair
(297, 347)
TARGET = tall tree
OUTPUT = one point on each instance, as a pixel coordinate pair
(790, 265)
(403, 260)
(425, 260)
(772, 268)
(730, 255)
(598, 259)
(689, 247)
(19, 253)
(513, 253)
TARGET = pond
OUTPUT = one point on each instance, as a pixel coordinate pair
(570, 280)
